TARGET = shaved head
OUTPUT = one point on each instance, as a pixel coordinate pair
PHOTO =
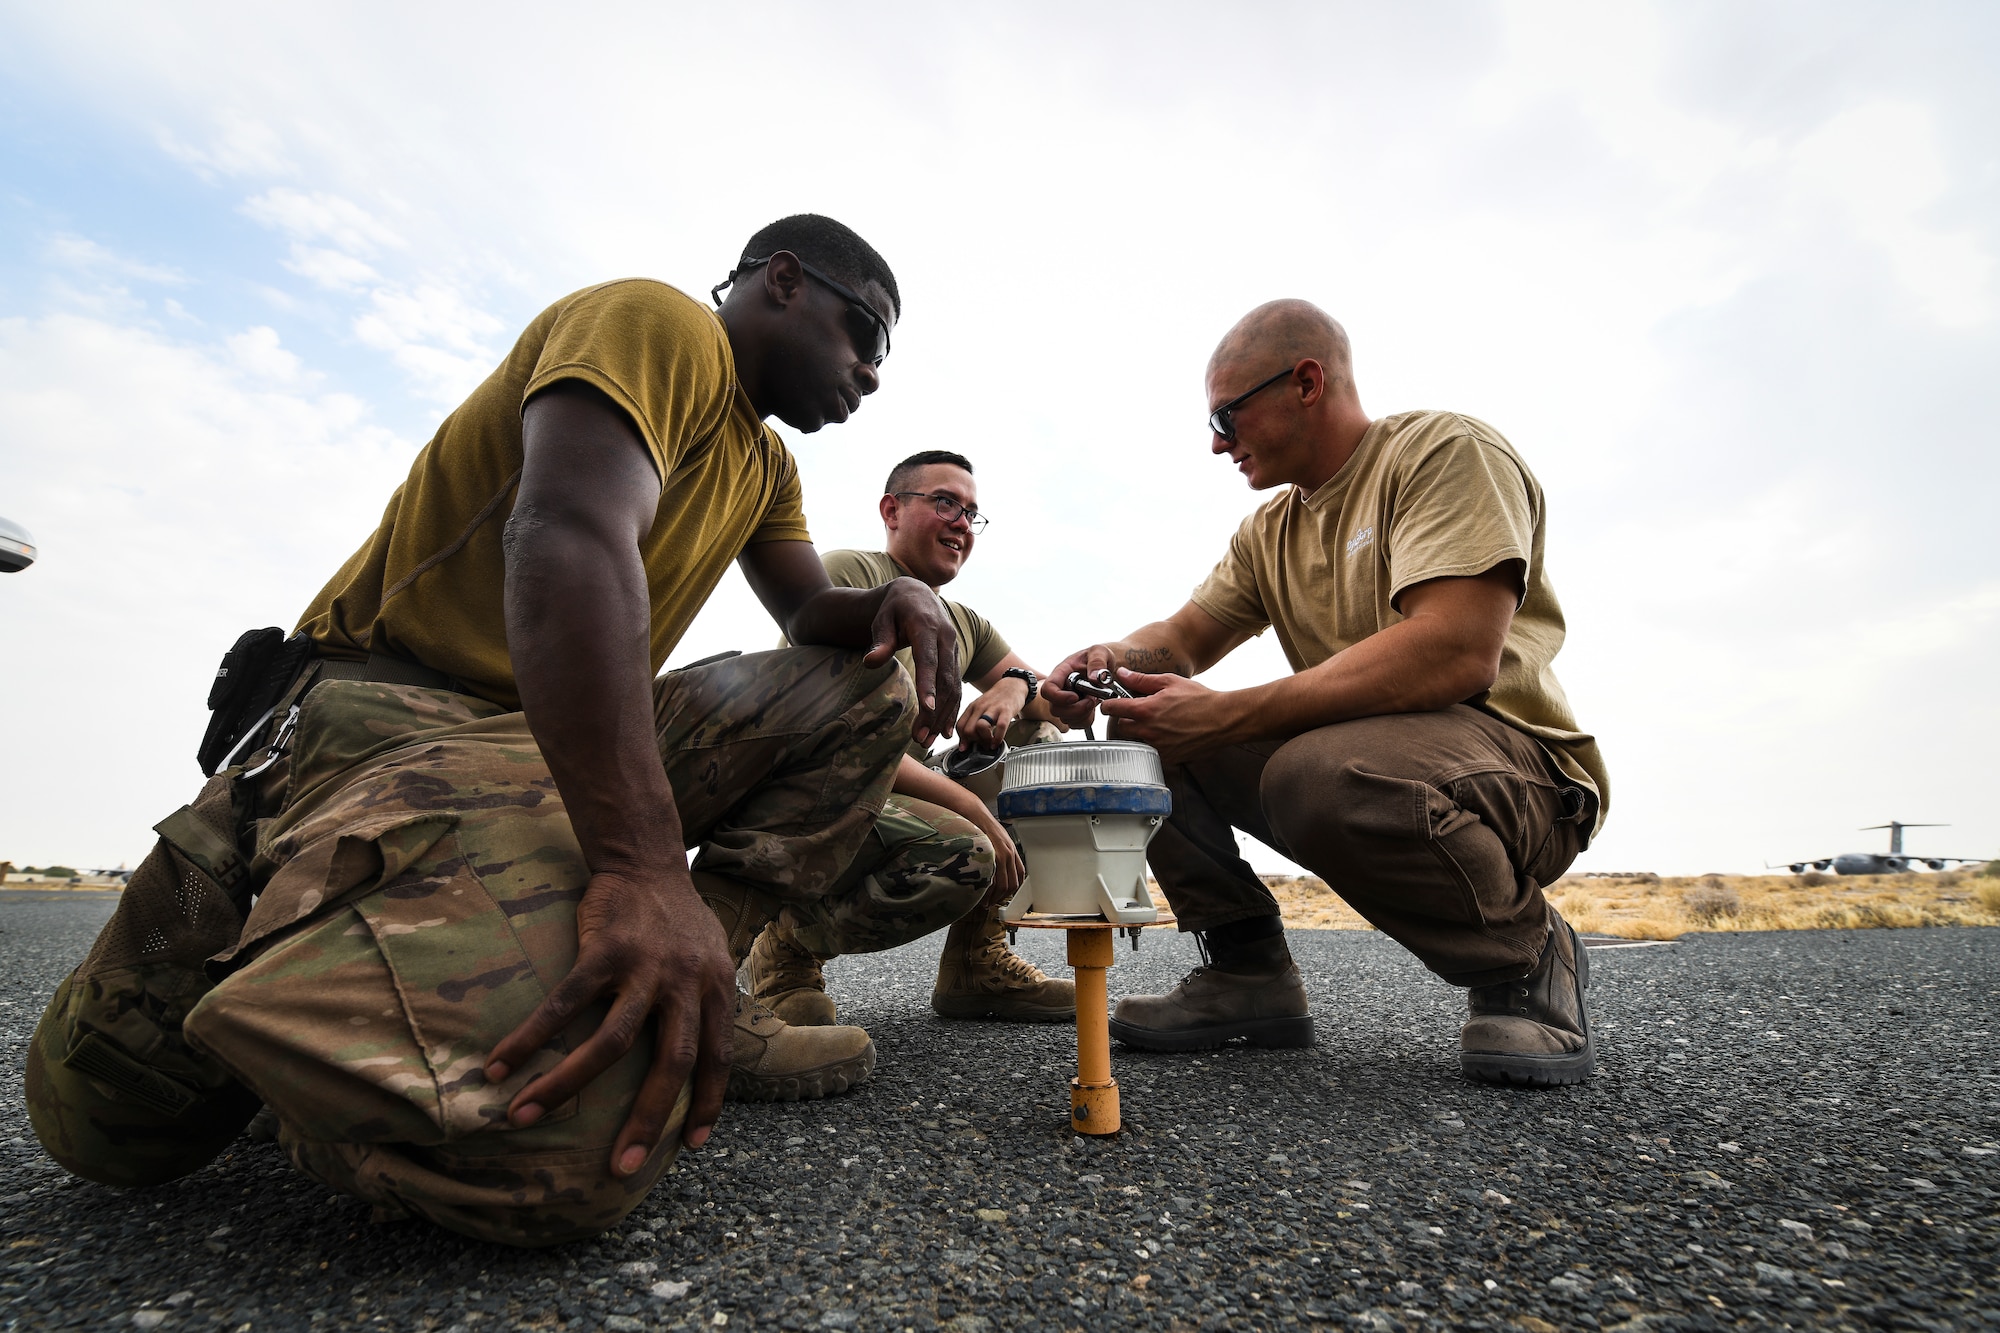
(1281, 396)
(1278, 332)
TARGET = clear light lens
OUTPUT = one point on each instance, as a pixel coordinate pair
(1126, 763)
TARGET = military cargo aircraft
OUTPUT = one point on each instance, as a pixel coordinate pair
(1875, 863)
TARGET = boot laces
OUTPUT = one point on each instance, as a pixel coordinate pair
(1510, 997)
(793, 968)
(995, 954)
(1194, 975)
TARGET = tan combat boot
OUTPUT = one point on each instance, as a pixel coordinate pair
(980, 977)
(741, 909)
(785, 977)
(769, 1060)
(1535, 1030)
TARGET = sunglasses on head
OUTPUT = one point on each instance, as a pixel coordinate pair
(1223, 419)
(865, 325)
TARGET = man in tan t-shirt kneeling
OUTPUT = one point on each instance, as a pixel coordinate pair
(1421, 758)
(914, 871)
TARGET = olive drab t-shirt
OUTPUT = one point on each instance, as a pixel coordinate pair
(1426, 495)
(428, 585)
(980, 647)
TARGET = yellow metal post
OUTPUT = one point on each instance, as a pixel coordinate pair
(1093, 1093)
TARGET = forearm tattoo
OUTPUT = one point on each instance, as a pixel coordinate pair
(1149, 659)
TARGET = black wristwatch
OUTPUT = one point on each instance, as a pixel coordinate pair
(1022, 673)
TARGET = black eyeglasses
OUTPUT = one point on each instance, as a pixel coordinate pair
(1223, 419)
(865, 325)
(948, 508)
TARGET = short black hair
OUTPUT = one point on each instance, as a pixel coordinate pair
(900, 473)
(830, 246)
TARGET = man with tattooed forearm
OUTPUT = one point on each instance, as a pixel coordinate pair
(1420, 757)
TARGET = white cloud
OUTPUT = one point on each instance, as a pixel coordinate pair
(438, 339)
(311, 215)
(239, 146)
(331, 269)
(1610, 62)
(426, 314)
(180, 494)
(429, 327)
(258, 352)
(1882, 163)
(81, 254)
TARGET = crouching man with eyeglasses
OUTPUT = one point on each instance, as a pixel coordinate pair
(1421, 758)
(924, 865)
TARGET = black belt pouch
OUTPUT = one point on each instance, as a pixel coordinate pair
(254, 675)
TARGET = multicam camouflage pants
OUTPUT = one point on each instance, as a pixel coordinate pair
(420, 902)
(921, 868)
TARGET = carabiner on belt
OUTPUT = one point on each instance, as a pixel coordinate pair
(281, 744)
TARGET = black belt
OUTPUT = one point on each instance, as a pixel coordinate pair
(386, 670)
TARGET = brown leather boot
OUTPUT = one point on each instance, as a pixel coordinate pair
(1534, 1031)
(1259, 997)
(980, 977)
(785, 977)
(771, 1061)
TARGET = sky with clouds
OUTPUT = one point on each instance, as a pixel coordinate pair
(1724, 273)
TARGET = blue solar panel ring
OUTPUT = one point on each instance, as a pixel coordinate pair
(1085, 799)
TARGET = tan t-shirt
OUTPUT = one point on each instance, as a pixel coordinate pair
(1426, 495)
(980, 647)
(428, 585)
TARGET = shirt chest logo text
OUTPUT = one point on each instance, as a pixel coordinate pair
(1361, 539)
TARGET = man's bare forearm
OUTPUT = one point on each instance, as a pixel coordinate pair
(1157, 649)
(1448, 650)
(1187, 643)
(1144, 651)
(791, 583)
(1410, 667)
(923, 783)
(577, 622)
(837, 617)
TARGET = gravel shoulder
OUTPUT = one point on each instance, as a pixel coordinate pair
(1788, 1130)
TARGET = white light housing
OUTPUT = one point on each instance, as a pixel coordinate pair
(1078, 763)
(1084, 812)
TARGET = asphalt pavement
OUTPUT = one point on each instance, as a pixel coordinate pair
(1794, 1130)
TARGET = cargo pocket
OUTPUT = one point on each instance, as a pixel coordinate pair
(464, 982)
(1388, 810)
(1571, 812)
(896, 828)
(384, 974)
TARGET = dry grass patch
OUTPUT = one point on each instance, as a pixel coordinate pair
(1650, 907)
(1308, 904)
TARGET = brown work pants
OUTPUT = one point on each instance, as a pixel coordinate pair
(1440, 828)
